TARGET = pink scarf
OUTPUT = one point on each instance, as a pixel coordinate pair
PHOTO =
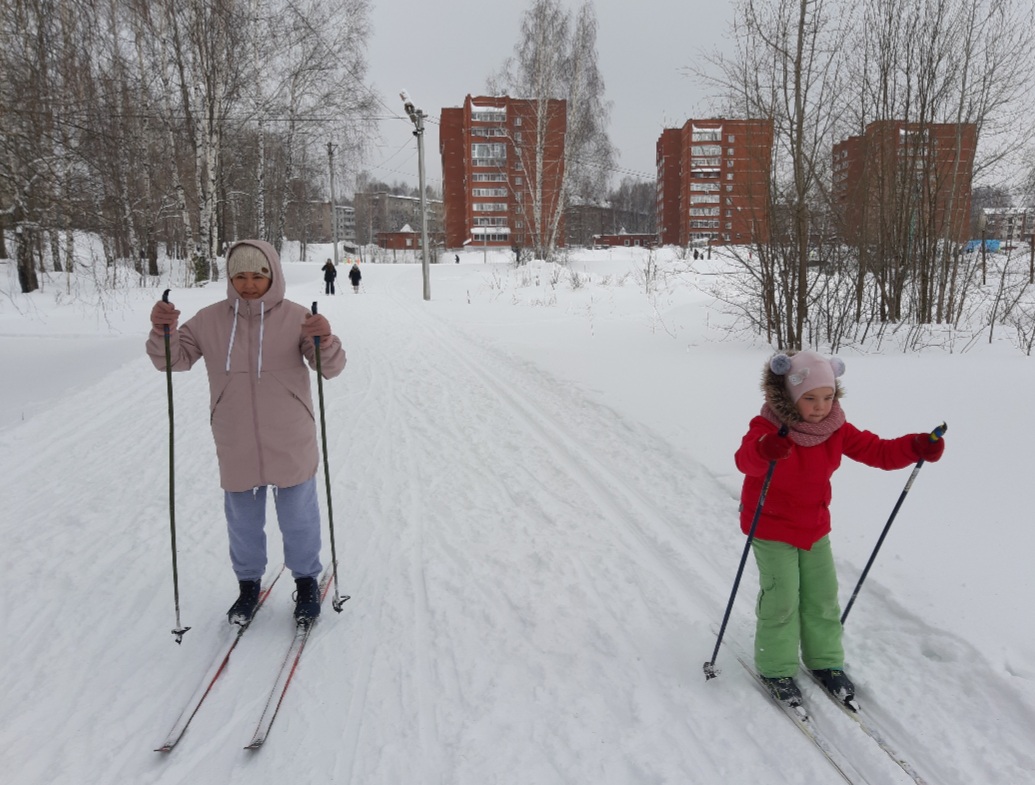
(808, 434)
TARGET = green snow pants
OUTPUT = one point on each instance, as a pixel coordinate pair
(797, 606)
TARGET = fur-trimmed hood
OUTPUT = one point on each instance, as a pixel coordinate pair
(774, 388)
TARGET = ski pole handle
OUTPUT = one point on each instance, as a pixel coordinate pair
(316, 338)
(938, 432)
(165, 299)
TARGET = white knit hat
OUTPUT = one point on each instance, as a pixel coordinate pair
(246, 258)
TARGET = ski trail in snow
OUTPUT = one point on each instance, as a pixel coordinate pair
(534, 578)
(479, 428)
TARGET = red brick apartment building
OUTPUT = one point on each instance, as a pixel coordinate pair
(896, 168)
(713, 181)
(489, 169)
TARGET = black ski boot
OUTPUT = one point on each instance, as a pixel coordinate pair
(837, 683)
(783, 689)
(307, 600)
(241, 612)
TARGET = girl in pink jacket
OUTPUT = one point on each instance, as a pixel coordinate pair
(256, 345)
(797, 610)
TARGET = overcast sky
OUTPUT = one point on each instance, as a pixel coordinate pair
(441, 50)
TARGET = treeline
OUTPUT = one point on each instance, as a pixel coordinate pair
(826, 70)
(181, 123)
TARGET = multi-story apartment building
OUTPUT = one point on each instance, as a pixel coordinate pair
(378, 212)
(904, 174)
(713, 181)
(491, 170)
(311, 222)
(1012, 225)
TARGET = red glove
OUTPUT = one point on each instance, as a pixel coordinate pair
(774, 447)
(164, 315)
(927, 449)
(316, 325)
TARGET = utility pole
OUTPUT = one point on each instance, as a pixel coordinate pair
(417, 116)
(334, 211)
(983, 227)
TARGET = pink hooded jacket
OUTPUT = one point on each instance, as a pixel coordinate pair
(261, 406)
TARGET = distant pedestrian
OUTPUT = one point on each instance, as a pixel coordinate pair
(355, 276)
(329, 274)
(457, 257)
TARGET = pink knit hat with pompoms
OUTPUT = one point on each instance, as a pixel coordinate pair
(806, 371)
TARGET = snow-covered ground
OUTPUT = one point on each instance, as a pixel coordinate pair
(536, 516)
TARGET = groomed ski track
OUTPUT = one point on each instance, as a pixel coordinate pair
(534, 576)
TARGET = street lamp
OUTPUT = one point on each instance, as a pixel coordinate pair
(417, 116)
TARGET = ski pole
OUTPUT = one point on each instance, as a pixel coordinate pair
(180, 629)
(709, 667)
(934, 436)
(339, 599)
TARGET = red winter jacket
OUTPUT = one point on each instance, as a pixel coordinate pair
(797, 505)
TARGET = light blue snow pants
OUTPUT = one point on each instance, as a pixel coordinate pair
(797, 607)
(298, 513)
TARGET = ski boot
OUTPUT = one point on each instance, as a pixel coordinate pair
(243, 609)
(837, 683)
(307, 600)
(783, 689)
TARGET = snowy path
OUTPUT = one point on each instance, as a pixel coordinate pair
(534, 578)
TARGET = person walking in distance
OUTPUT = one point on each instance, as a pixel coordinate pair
(355, 276)
(329, 274)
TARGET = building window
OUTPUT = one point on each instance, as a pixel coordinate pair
(731, 138)
(489, 115)
(729, 176)
(729, 151)
(706, 135)
(729, 187)
(494, 154)
(517, 121)
(518, 181)
(705, 150)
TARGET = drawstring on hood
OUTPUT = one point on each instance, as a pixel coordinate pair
(262, 327)
(233, 335)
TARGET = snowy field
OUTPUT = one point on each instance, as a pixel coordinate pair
(536, 516)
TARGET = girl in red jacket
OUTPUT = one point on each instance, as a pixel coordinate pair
(797, 606)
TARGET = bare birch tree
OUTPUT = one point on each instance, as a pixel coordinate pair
(555, 60)
(787, 66)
